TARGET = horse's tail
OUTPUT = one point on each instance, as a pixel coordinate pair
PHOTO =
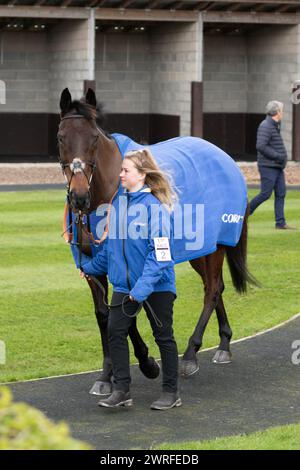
(237, 260)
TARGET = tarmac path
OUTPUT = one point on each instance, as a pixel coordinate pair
(259, 389)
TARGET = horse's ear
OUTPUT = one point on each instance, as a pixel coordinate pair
(90, 98)
(65, 100)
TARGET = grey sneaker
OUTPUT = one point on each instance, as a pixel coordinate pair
(117, 398)
(166, 401)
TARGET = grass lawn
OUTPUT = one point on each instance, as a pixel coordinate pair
(46, 310)
(278, 438)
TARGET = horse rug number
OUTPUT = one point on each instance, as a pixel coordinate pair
(162, 249)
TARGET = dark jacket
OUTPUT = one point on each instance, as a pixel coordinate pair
(271, 151)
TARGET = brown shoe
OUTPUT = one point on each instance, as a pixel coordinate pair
(285, 227)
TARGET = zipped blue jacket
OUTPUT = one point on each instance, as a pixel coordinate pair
(129, 256)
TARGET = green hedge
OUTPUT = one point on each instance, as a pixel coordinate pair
(25, 428)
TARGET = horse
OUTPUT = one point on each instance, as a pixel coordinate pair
(91, 161)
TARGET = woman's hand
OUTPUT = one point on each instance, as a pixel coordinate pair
(83, 275)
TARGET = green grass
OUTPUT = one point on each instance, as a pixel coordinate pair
(46, 310)
(278, 438)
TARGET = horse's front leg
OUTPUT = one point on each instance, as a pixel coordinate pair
(103, 385)
(148, 365)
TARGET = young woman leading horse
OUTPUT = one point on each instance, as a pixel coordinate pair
(211, 219)
(137, 256)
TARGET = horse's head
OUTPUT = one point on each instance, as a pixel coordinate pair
(78, 142)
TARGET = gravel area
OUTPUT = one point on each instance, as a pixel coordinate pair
(30, 173)
(50, 173)
(250, 171)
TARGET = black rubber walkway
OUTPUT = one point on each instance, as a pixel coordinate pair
(261, 388)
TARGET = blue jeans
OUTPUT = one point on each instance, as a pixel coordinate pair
(271, 179)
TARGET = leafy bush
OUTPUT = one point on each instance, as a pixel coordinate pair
(25, 428)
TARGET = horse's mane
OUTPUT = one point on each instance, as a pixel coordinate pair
(89, 112)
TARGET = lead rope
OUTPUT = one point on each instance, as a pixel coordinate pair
(126, 300)
(78, 222)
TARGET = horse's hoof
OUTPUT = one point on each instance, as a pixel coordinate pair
(150, 368)
(101, 388)
(222, 357)
(188, 368)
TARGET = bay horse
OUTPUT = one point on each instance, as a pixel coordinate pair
(91, 162)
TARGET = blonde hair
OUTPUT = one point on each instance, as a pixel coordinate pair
(157, 180)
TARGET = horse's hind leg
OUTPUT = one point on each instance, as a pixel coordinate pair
(212, 279)
(103, 385)
(148, 365)
(223, 354)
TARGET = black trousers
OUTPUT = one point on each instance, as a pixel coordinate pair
(118, 326)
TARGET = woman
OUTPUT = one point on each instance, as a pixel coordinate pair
(137, 256)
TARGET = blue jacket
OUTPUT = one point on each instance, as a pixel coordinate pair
(129, 255)
(271, 151)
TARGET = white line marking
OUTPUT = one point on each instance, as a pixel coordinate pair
(247, 338)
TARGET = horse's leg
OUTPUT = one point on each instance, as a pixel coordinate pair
(213, 270)
(223, 354)
(103, 384)
(148, 365)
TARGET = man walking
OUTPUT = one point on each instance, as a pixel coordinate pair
(271, 160)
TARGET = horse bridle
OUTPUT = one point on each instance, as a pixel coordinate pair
(79, 217)
(76, 166)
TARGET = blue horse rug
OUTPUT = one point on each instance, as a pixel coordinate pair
(212, 195)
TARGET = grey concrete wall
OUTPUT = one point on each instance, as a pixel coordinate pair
(24, 69)
(176, 54)
(150, 72)
(273, 65)
(243, 73)
(225, 74)
(123, 72)
(36, 66)
(70, 51)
